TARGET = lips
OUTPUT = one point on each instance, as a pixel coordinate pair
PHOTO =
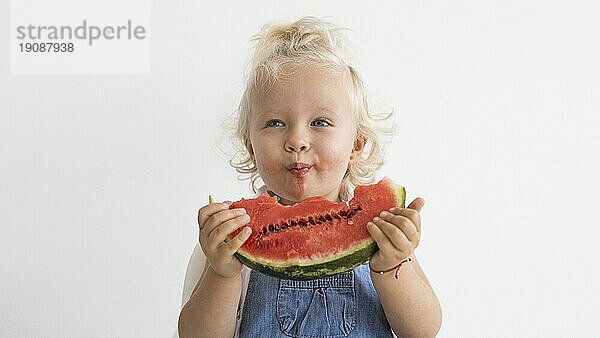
(298, 165)
(299, 169)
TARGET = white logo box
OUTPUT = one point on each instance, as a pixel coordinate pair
(107, 36)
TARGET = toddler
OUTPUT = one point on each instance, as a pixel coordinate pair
(306, 130)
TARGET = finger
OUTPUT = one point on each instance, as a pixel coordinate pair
(404, 224)
(417, 204)
(393, 233)
(208, 211)
(383, 242)
(234, 244)
(222, 217)
(412, 214)
(220, 232)
(225, 217)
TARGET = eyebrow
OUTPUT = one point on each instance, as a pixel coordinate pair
(317, 109)
(327, 110)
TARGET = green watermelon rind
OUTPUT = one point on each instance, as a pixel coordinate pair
(400, 194)
(345, 261)
(342, 262)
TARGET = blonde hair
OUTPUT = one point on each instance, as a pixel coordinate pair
(309, 42)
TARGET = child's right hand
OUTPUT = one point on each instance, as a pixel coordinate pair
(216, 221)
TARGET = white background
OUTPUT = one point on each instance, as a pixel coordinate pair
(498, 102)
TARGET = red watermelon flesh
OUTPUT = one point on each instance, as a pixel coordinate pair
(316, 237)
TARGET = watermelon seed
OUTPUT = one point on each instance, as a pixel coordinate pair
(310, 220)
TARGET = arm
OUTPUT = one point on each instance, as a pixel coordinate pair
(410, 304)
(211, 310)
(212, 307)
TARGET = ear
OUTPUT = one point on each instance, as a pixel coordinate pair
(248, 145)
(359, 145)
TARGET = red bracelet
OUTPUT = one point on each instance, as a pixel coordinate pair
(397, 267)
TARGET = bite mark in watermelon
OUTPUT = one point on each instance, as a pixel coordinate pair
(315, 238)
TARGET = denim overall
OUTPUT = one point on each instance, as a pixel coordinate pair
(343, 305)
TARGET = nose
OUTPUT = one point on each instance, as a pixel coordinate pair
(296, 142)
(291, 148)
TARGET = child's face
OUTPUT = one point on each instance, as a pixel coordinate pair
(307, 120)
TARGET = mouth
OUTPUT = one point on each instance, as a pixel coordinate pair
(299, 169)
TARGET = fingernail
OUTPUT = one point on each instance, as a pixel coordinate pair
(384, 213)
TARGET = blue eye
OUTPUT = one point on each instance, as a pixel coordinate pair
(319, 123)
(272, 123)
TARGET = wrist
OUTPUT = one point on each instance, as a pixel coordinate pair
(224, 276)
(395, 269)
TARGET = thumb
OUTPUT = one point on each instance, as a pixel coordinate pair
(417, 204)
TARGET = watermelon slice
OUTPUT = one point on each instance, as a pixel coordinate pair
(316, 237)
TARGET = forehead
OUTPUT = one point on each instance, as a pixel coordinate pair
(310, 88)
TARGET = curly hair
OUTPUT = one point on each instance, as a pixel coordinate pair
(309, 42)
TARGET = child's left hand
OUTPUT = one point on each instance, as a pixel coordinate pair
(397, 233)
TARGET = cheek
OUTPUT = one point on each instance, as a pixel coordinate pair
(335, 154)
(265, 160)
